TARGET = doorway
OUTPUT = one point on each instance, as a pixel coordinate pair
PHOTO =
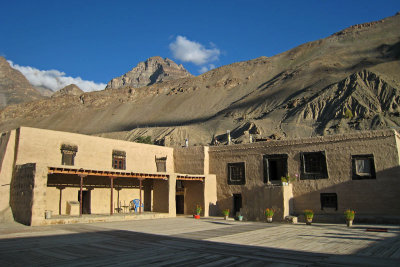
(86, 199)
(237, 203)
(180, 204)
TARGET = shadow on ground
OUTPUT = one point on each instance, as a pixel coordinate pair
(90, 245)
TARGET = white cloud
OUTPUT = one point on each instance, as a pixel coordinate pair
(206, 68)
(190, 51)
(55, 79)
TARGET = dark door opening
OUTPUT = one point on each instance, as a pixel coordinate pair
(180, 204)
(237, 203)
(275, 167)
(85, 201)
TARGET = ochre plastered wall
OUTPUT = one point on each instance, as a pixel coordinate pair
(95, 153)
(7, 150)
(365, 196)
(210, 194)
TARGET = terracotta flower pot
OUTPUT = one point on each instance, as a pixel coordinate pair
(196, 216)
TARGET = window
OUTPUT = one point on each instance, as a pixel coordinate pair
(363, 167)
(329, 200)
(275, 166)
(313, 165)
(236, 173)
(119, 160)
(161, 164)
(68, 153)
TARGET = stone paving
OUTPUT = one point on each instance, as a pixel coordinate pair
(207, 242)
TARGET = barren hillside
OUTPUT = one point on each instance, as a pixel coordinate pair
(14, 87)
(346, 82)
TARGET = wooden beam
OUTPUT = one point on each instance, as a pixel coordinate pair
(115, 174)
(80, 194)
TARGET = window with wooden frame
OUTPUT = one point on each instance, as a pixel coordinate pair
(275, 166)
(313, 165)
(363, 167)
(119, 160)
(68, 153)
(236, 173)
(161, 164)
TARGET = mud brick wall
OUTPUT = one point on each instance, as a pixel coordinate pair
(21, 195)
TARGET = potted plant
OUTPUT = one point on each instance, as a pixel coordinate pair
(226, 214)
(269, 213)
(240, 217)
(284, 180)
(349, 215)
(198, 212)
(309, 215)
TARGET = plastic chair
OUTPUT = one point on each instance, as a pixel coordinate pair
(136, 204)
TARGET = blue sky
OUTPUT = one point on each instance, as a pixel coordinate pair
(99, 40)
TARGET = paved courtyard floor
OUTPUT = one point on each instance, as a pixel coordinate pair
(206, 242)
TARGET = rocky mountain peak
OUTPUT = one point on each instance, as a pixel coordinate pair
(153, 70)
(14, 87)
(71, 89)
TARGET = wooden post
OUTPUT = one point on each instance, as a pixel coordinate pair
(80, 194)
(111, 199)
(140, 195)
(60, 201)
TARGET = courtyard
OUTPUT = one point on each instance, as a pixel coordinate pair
(183, 241)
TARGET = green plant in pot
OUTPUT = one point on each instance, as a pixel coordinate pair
(309, 215)
(269, 213)
(198, 212)
(349, 216)
(226, 213)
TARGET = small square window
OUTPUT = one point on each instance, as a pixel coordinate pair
(236, 173)
(313, 165)
(68, 153)
(119, 160)
(363, 167)
(161, 164)
(329, 200)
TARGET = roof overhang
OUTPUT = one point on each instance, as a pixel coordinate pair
(123, 174)
(114, 174)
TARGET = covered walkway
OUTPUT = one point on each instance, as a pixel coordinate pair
(156, 192)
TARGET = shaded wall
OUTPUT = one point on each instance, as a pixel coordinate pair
(21, 195)
(365, 196)
(191, 160)
(194, 195)
(160, 196)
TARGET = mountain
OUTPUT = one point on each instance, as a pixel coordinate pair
(14, 87)
(71, 89)
(44, 91)
(346, 82)
(153, 70)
